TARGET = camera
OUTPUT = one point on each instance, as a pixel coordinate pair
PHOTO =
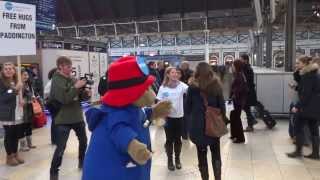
(89, 78)
(83, 94)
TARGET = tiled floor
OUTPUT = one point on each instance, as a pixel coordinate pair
(261, 158)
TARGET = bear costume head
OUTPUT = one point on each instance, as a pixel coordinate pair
(129, 82)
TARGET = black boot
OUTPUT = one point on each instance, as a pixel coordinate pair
(80, 164)
(204, 172)
(216, 165)
(298, 152)
(315, 149)
(54, 176)
(169, 151)
(177, 152)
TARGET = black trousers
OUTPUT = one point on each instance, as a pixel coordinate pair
(185, 134)
(202, 154)
(26, 130)
(236, 124)
(11, 138)
(53, 131)
(299, 125)
(63, 132)
(173, 130)
(250, 117)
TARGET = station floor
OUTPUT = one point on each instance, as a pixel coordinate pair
(261, 158)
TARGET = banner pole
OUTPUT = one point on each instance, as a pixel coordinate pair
(19, 68)
(19, 78)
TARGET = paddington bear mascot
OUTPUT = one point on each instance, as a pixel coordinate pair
(120, 147)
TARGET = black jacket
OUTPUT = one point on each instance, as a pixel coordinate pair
(252, 95)
(27, 108)
(7, 103)
(309, 92)
(195, 109)
(186, 75)
(103, 85)
(157, 83)
(239, 91)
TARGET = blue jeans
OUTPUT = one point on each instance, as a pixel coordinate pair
(62, 135)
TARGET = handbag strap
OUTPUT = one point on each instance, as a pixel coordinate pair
(204, 97)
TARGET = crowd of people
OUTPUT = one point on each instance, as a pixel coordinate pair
(184, 88)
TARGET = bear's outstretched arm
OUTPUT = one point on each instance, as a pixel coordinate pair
(139, 152)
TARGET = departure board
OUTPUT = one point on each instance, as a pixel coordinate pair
(46, 12)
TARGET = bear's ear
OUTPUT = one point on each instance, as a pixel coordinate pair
(147, 99)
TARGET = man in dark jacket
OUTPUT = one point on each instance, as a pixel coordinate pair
(161, 69)
(153, 71)
(307, 108)
(252, 95)
(103, 84)
(37, 84)
(65, 90)
(186, 72)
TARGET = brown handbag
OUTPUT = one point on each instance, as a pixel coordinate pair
(214, 122)
(36, 107)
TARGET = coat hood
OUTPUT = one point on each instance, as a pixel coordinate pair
(309, 68)
(94, 116)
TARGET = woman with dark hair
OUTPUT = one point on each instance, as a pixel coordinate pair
(205, 84)
(46, 94)
(307, 107)
(47, 88)
(239, 91)
(11, 112)
(26, 130)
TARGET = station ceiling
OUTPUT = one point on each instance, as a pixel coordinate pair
(84, 11)
(108, 11)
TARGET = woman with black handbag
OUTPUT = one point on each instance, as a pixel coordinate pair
(204, 82)
(11, 112)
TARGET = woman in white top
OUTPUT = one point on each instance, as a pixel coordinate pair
(46, 95)
(173, 90)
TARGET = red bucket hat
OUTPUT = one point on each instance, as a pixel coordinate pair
(128, 79)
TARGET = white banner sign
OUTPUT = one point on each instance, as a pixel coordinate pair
(17, 29)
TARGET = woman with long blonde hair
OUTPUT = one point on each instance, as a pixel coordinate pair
(173, 90)
(11, 112)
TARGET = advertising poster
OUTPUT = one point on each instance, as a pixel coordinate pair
(228, 57)
(214, 58)
(315, 52)
(103, 63)
(278, 58)
(94, 69)
(80, 62)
